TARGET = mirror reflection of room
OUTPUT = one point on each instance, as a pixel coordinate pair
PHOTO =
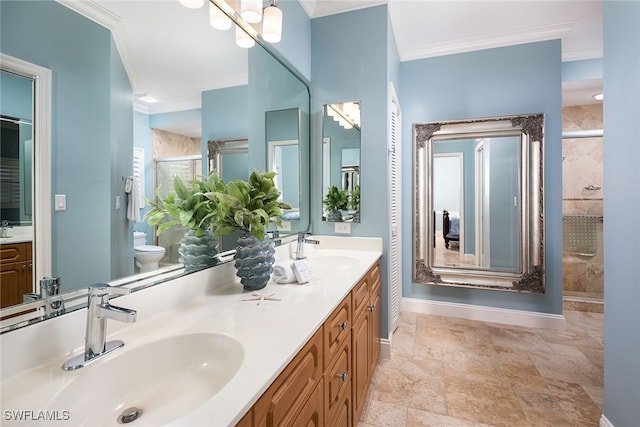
(476, 200)
(341, 131)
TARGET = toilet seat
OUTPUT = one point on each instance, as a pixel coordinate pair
(149, 249)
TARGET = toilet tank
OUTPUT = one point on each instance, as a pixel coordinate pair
(139, 238)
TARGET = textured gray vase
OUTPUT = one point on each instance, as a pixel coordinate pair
(197, 253)
(254, 261)
(334, 216)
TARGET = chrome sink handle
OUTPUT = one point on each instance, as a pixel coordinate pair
(98, 311)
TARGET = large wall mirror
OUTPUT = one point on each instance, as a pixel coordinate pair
(478, 218)
(341, 140)
(93, 133)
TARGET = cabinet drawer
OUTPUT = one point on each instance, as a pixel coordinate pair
(374, 279)
(336, 330)
(337, 380)
(13, 252)
(360, 298)
(286, 397)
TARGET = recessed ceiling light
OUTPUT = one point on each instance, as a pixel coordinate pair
(598, 96)
(146, 98)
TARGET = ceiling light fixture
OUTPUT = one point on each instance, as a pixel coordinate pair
(146, 98)
(192, 4)
(598, 96)
(243, 39)
(218, 19)
(221, 13)
(272, 23)
(251, 10)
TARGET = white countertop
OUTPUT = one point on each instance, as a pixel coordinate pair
(270, 333)
(18, 234)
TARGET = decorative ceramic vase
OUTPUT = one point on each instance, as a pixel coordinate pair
(334, 216)
(254, 261)
(198, 252)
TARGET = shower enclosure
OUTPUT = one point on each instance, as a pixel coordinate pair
(165, 170)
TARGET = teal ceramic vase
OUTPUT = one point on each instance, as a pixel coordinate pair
(254, 260)
(198, 252)
(334, 216)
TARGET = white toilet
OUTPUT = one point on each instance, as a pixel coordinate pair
(146, 256)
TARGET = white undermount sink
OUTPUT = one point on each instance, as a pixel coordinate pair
(163, 379)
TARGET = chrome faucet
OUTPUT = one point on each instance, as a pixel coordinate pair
(4, 231)
(302, 239)
(98, 311)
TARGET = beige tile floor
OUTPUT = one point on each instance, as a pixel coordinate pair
(454, 372)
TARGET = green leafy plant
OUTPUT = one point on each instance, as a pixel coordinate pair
(191, 205)
(336, 199)
(248, 206)
(354, 200)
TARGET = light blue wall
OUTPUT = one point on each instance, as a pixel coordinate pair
(16, 96)
(272, 88)
(295, 45)
(585, 69)
(84, 121)
(341, 73)
(186, 118)
(225, 114)
(121, 145)
(621, 204)
(284, 125)
(511, 80)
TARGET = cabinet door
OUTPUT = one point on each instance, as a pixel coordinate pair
(285, 399)
(374, 333)
(337, 380)
(13, 280)
(360, 348)
(312, 414)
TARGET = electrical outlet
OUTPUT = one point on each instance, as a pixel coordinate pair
(343, 227)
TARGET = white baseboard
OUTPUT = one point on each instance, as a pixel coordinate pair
(485, 314)
(604, 422)
(385, 348)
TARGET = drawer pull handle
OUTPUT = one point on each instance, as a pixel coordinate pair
(343, 325)
(372, 308)
(344, 377)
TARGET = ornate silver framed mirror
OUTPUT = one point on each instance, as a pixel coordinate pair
(478, 203)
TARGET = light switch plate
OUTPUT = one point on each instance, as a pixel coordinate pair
(60, 202)
(343, 227)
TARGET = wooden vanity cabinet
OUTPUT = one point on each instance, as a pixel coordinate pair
(327, 381)
(365, 338)
(16, 273)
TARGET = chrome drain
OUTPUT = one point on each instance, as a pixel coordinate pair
(129, 415)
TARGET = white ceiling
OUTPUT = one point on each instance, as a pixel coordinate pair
(172, 53)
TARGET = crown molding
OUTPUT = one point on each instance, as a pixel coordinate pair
(109, 20)
(590, 52)
(507, 38)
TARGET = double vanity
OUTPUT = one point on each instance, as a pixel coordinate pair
(205, 352)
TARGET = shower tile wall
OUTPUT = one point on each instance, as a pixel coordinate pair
(583, 276)
(169, 144)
